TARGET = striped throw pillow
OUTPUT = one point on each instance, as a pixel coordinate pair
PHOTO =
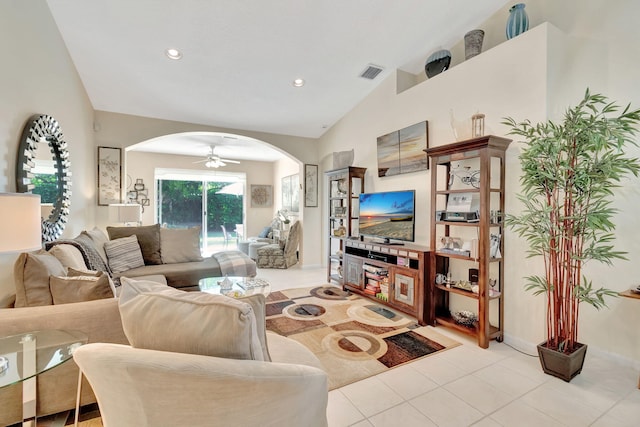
(124, 254)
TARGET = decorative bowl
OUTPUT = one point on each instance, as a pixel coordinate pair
(464, 317)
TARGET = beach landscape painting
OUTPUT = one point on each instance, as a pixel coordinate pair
(402, 151)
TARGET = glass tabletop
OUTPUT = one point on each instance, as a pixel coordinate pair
(27, 355)
(236, 287)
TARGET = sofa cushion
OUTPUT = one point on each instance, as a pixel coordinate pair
(98, 238)
(68, 255)
(72, 272)
(158, 317)
(124, 253)
(66, 290)
(148, 238)
(180, 245)
(31, 274)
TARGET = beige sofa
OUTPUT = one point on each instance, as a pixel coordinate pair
(98, 319)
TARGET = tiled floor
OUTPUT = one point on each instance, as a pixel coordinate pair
(468, 386)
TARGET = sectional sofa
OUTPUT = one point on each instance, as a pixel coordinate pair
(177, 263)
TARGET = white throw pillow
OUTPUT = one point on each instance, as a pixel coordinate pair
(159, 317)
(124, 254)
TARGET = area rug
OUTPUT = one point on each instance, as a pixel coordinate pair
(353, 337)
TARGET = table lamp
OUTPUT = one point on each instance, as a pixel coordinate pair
(126, 213)
(20, 222)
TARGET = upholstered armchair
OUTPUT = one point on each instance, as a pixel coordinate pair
(197, 360)
(145, 388)
(282, 254)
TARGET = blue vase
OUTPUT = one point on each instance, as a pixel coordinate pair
(518, 21)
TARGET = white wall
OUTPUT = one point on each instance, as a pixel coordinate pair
(38, 76)
(533, 76)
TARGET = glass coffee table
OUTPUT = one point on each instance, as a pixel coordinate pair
(235, 286)
(25, 356)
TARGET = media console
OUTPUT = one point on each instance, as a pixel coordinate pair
(389, 274)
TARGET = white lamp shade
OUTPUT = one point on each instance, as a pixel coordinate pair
(20, 223)
(126, 213)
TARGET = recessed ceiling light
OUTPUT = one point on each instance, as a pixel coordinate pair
(173, 54)
(298, 82)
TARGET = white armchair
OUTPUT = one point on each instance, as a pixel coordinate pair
(137, 387)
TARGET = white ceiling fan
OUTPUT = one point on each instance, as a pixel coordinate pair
(214, 161)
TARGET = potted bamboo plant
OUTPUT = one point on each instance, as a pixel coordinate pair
(569, 172)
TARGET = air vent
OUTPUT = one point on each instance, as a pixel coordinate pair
(371, 72)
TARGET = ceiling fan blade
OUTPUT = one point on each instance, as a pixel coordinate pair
(201, 161)
(230, 161)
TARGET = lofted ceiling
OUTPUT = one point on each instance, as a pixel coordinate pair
(239, 58)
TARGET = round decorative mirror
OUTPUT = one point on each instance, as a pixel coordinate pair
(43, 168)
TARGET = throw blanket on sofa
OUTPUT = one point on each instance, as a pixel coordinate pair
(235, 263)
(91, 257)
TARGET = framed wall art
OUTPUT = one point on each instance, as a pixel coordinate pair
(261, 196)
(402, 151)
(311, 186)
(109, 175)
(291, 193)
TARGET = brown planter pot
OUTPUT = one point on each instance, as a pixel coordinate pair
(561, 365)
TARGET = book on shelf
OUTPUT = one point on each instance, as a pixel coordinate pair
(369, 292)
(378, 277)
(372, 287)
(374, 269)
(373, 282)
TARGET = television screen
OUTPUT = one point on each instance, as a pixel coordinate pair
(388, 215)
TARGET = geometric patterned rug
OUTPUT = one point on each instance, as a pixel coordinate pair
(353, 337)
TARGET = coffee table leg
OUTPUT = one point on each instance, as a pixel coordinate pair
(78, 398)
(29, 385)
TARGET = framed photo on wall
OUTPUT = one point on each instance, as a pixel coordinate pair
(109, 175)
(291, 193)
(311, 186)
(261, 196)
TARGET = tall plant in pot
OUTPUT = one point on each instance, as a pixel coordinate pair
(569, 172)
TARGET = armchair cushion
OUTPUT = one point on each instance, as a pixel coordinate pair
(265, 232)
(158, 317)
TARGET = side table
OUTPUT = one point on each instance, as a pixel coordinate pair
(25, 356)
(630, 294)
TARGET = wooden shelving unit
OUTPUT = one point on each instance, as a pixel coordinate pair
(485, 154)
(344, 187)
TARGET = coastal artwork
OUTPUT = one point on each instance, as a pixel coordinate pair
(388, 215)
(402, 151)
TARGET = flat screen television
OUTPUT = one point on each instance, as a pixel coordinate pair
(388, 215)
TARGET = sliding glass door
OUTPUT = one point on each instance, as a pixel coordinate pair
(214, 203)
